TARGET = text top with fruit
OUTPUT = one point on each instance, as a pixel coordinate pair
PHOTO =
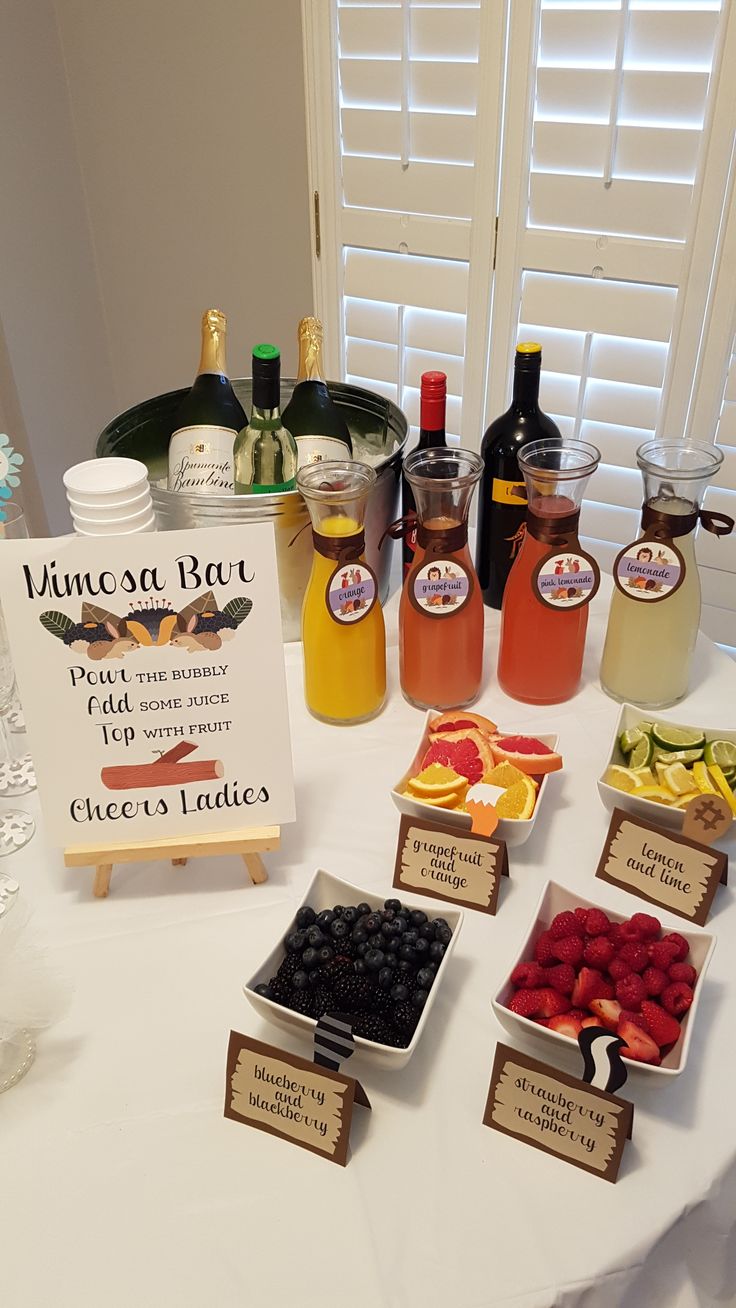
(671, 765)
(466, 749)
(624, 976)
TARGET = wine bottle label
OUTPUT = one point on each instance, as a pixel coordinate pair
(201, 460)
(440, 588)
(318, 449)
(649, 570)
(351, 592)
(566, 580)
(508, 492)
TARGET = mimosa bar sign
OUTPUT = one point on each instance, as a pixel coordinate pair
(152, 677)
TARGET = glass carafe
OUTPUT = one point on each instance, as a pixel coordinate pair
(544, 615)
(342, 623)
(655, 609)
(441, 609)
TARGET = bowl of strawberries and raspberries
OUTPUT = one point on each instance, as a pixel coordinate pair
(581, 965)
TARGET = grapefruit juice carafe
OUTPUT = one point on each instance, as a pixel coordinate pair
(441, 608)
(544, 615)
(655, 609)
(342, 623)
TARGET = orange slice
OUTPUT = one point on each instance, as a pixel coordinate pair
(436, 779)
(453, 800)
(518, 801)
(505, 774)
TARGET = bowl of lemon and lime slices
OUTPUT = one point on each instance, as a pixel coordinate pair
(655, 768)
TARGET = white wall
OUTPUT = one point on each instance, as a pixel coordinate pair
(152, 163)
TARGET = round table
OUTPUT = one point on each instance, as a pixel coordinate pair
(124, 1185)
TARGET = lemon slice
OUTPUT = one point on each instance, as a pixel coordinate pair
(646, 776)
(722, 753)
(669, 737)
(677, 778)
(658, 794)
(702, 779)
(622, 778)
(717, 774)
(518, 801)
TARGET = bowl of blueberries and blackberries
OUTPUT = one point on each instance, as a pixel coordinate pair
(379, 960)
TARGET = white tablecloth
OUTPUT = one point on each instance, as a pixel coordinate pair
(123, 1185)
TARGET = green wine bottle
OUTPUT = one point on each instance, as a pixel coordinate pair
(311, 415)
(265, 452)
(207, 421)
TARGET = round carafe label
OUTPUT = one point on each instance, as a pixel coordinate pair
(565, 579)
(440, 588)
(351, 592)
(649, 570)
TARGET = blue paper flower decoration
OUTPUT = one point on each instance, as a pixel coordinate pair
(10, 462)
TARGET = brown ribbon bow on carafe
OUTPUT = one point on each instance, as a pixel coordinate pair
(666, 526)
(435, 541)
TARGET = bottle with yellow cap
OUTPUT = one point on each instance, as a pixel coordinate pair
(502, 501)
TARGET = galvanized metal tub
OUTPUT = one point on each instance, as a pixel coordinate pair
(378, 429)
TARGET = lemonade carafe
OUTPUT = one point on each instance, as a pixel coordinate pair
(544, 614)
(655, 609)
(441, 608)
(342, 624)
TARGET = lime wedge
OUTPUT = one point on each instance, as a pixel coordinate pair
(641, 754)
(679, 738)
(722, 753)
(628, 739)
(677, 755)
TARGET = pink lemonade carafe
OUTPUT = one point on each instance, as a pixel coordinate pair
(544, 615)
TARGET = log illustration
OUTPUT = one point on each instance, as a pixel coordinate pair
(168, 770)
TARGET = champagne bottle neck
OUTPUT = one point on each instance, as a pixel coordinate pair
(212, 358)
(310, 358)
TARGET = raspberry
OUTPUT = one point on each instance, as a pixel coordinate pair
(598, 952)
(568, 950)
(524, 1002)
(565, 924)
(616, 936)
(662, 953)
(528, 975)
(682, 972)
(560, 978)
(618, 968)
(635, 954)
(582, 915)
(648, 926)
(630, 930)
(677, 998)
(543, 950)
(683, 948)
(655, 979)
(596, 923)
(630, 991)
(661, 1026)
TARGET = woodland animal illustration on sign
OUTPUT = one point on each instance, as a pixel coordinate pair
(198, 628)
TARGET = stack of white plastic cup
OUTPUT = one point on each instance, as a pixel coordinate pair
(109, 497)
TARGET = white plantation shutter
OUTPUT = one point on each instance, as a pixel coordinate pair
(717, 555)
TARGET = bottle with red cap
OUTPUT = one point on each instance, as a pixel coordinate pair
(433, 399)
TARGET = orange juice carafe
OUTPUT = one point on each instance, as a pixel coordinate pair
(342, 623)
(441, 609)
(544, 616)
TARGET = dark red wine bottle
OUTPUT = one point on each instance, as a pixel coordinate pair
(502, 500)
(432, 404)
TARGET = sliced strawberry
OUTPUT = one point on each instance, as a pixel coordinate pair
(639, 1044)
(566, 1025)
(550, 1002)
(627, 1015)
(590, 985)
(607, 1010)
(592, 1021)
(662, 1027)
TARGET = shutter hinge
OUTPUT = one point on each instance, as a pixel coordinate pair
(317, 233)
(495, 242)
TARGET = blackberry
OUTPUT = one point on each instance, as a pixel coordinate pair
(280, 988)
(382, 1003)
(353, 993)
(322, 1000)
(372, 1027)
(289, 965)
(405, 1017)
(302, 1001)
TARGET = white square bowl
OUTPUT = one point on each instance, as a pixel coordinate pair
(513, 831)
(323, 892)
(556, 899)
(661, 814)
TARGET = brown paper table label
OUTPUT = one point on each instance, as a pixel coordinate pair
(557, 1113)
(290, 1097)
(449, 863)
(661, 866)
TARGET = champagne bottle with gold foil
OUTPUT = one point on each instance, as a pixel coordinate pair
(207, 421)
(311, 415)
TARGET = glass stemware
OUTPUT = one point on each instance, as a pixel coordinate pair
(16, 774)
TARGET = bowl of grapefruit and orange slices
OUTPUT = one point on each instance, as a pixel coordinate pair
(458, 750)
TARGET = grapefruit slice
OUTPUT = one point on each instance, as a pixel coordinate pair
(527, 754)
(467, 752)
(459, 720)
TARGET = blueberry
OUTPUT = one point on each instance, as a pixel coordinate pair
(405, 913)
(350, 915)
(310, 958)
(363, 909)
(427, 932)
(359, 935)
(372, 923)
(421, 950)
(444, 935)
(407, 953)
(385, 978)
(338, 910)
(398, 926)
(399, 993)
(418, 917)
(359, 967)
(300, 980)
(340, 929)
(376, 940)
(325, 918)
(436, 951)
(441, 922)
(362, 949)
(425, 977)
(419, 999)
(305, 917)
(296, 942)
(326, 955)
(316, 938)
(267, 992)
(375, 959)
(392, 945)
(393, 904)
(410, 936)
(392, 961)
(405, 967)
